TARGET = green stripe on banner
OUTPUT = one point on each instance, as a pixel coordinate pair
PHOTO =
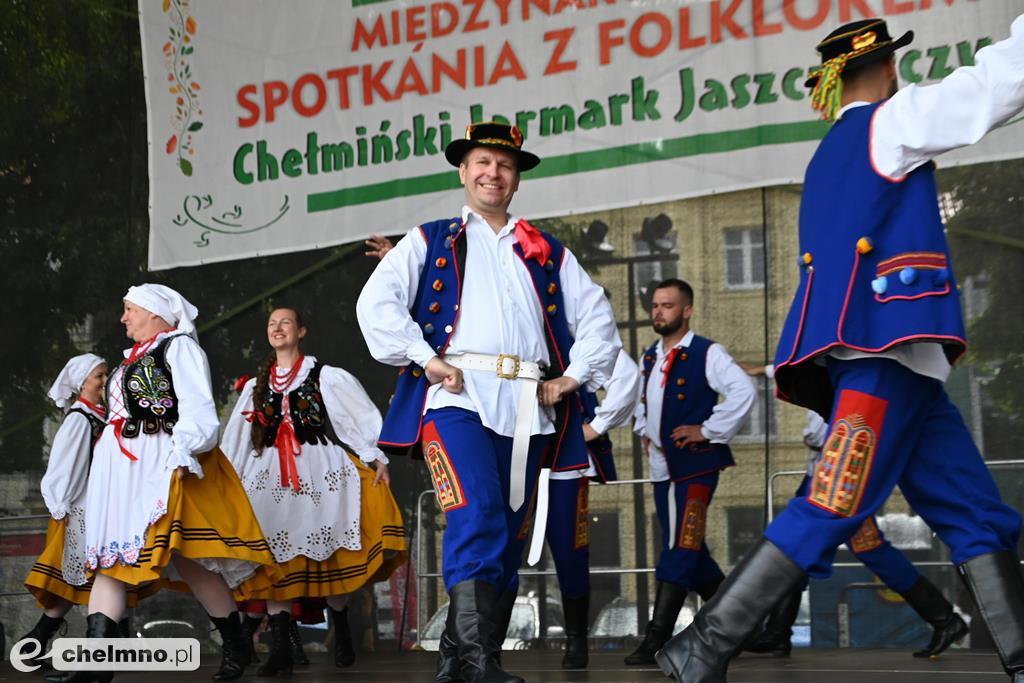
(582, 162)
(360, 3)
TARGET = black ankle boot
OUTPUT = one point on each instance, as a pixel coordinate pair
(279, 661)
(702, 652)
(97, 625)
(932, 606)
(295, 641)
(776, 638)
(44, 629)
(448, 669)
(577, 625)
(344, 652)
(250, 626)
(667, 602)
(471, 624)
(234, 651)
(997, 585)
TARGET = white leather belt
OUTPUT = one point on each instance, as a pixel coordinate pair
(507, 366)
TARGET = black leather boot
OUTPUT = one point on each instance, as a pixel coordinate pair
(776, 638)
(97, 625)
(250, 626)
(702, 652)
(932, 606)
(667, 602)
(295, 641)
(279, 661)
(708, 590)
(502, 616)
(472, 625)
(44, 629)
(448, 669)
(234, 654)
(344, 652)
(577, 625)
(997, 585)
(124, 628)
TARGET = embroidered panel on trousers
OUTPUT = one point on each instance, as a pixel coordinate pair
(691, 530)
(867, 537)
(842, 471)
(582, 536)
(447, 486)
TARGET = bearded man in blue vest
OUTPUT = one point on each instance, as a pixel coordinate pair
(868, 343)
(686, 432)
(487, 317)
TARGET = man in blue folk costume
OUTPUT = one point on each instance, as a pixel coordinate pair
(686, 432)
(487, 316)
(872, 332)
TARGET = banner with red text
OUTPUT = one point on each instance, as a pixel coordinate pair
(282, 125)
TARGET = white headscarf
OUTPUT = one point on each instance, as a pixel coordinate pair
(70, 380)
(167, 304)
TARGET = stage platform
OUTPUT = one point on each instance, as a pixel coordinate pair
(805, 666)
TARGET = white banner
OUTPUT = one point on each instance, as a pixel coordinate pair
(282, 125)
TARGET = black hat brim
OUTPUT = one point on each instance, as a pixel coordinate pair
(869, 57)
(456, 151)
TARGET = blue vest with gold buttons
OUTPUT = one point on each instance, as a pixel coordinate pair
(436, 311)
(688, 400)
(875, 269)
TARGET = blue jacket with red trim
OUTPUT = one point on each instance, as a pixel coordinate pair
(874, 264)
(436, 311)
(688, 400)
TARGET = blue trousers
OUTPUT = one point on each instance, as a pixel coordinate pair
(568, 534)
(470, 467)
(892, 426)
(870, 546)
(685, 559)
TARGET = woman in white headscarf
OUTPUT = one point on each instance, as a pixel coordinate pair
(303, 438)
(57, 580)
(161, 494)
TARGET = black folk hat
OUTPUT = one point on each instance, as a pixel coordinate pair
(491, 134)
(851, 46)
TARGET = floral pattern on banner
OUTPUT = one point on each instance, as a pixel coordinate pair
(125, 551)
(181, 84)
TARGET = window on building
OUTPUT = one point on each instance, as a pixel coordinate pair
(744, 258)
(753, 426)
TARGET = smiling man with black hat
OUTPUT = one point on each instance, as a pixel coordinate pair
(487, 316)
(874, 327)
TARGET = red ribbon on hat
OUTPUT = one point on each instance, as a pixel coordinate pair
(533, 243)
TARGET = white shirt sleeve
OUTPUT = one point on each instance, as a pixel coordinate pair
(727, 378)
(236, 442)
(920, 122)
(353, 415)
(592, 325)
(382, 309)
(68, 468)
(815, 431)
(198, 425)
(622, 395)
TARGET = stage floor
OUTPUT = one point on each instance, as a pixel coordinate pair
(805, 666)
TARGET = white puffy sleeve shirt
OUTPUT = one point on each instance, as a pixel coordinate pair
(236, 442)
(622, 395)
(355, 418)
(68, 468)
(198, 425)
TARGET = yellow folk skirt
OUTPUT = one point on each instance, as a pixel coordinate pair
(383, 551)
(208, 520)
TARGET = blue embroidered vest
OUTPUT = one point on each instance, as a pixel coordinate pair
(688, 400)
(148, 391)
(436, 311)
(306, 407)
(874, 263)
(601, 447)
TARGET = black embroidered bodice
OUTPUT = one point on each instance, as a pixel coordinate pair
(307, 410)
(148, 392)
(96, 426)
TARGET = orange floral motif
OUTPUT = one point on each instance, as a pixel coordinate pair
(187, 111)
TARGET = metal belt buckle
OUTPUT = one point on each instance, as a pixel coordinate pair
(500, 370)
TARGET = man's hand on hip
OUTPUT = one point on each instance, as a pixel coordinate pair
(688, 434)
(449, 376)
(552, 391)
